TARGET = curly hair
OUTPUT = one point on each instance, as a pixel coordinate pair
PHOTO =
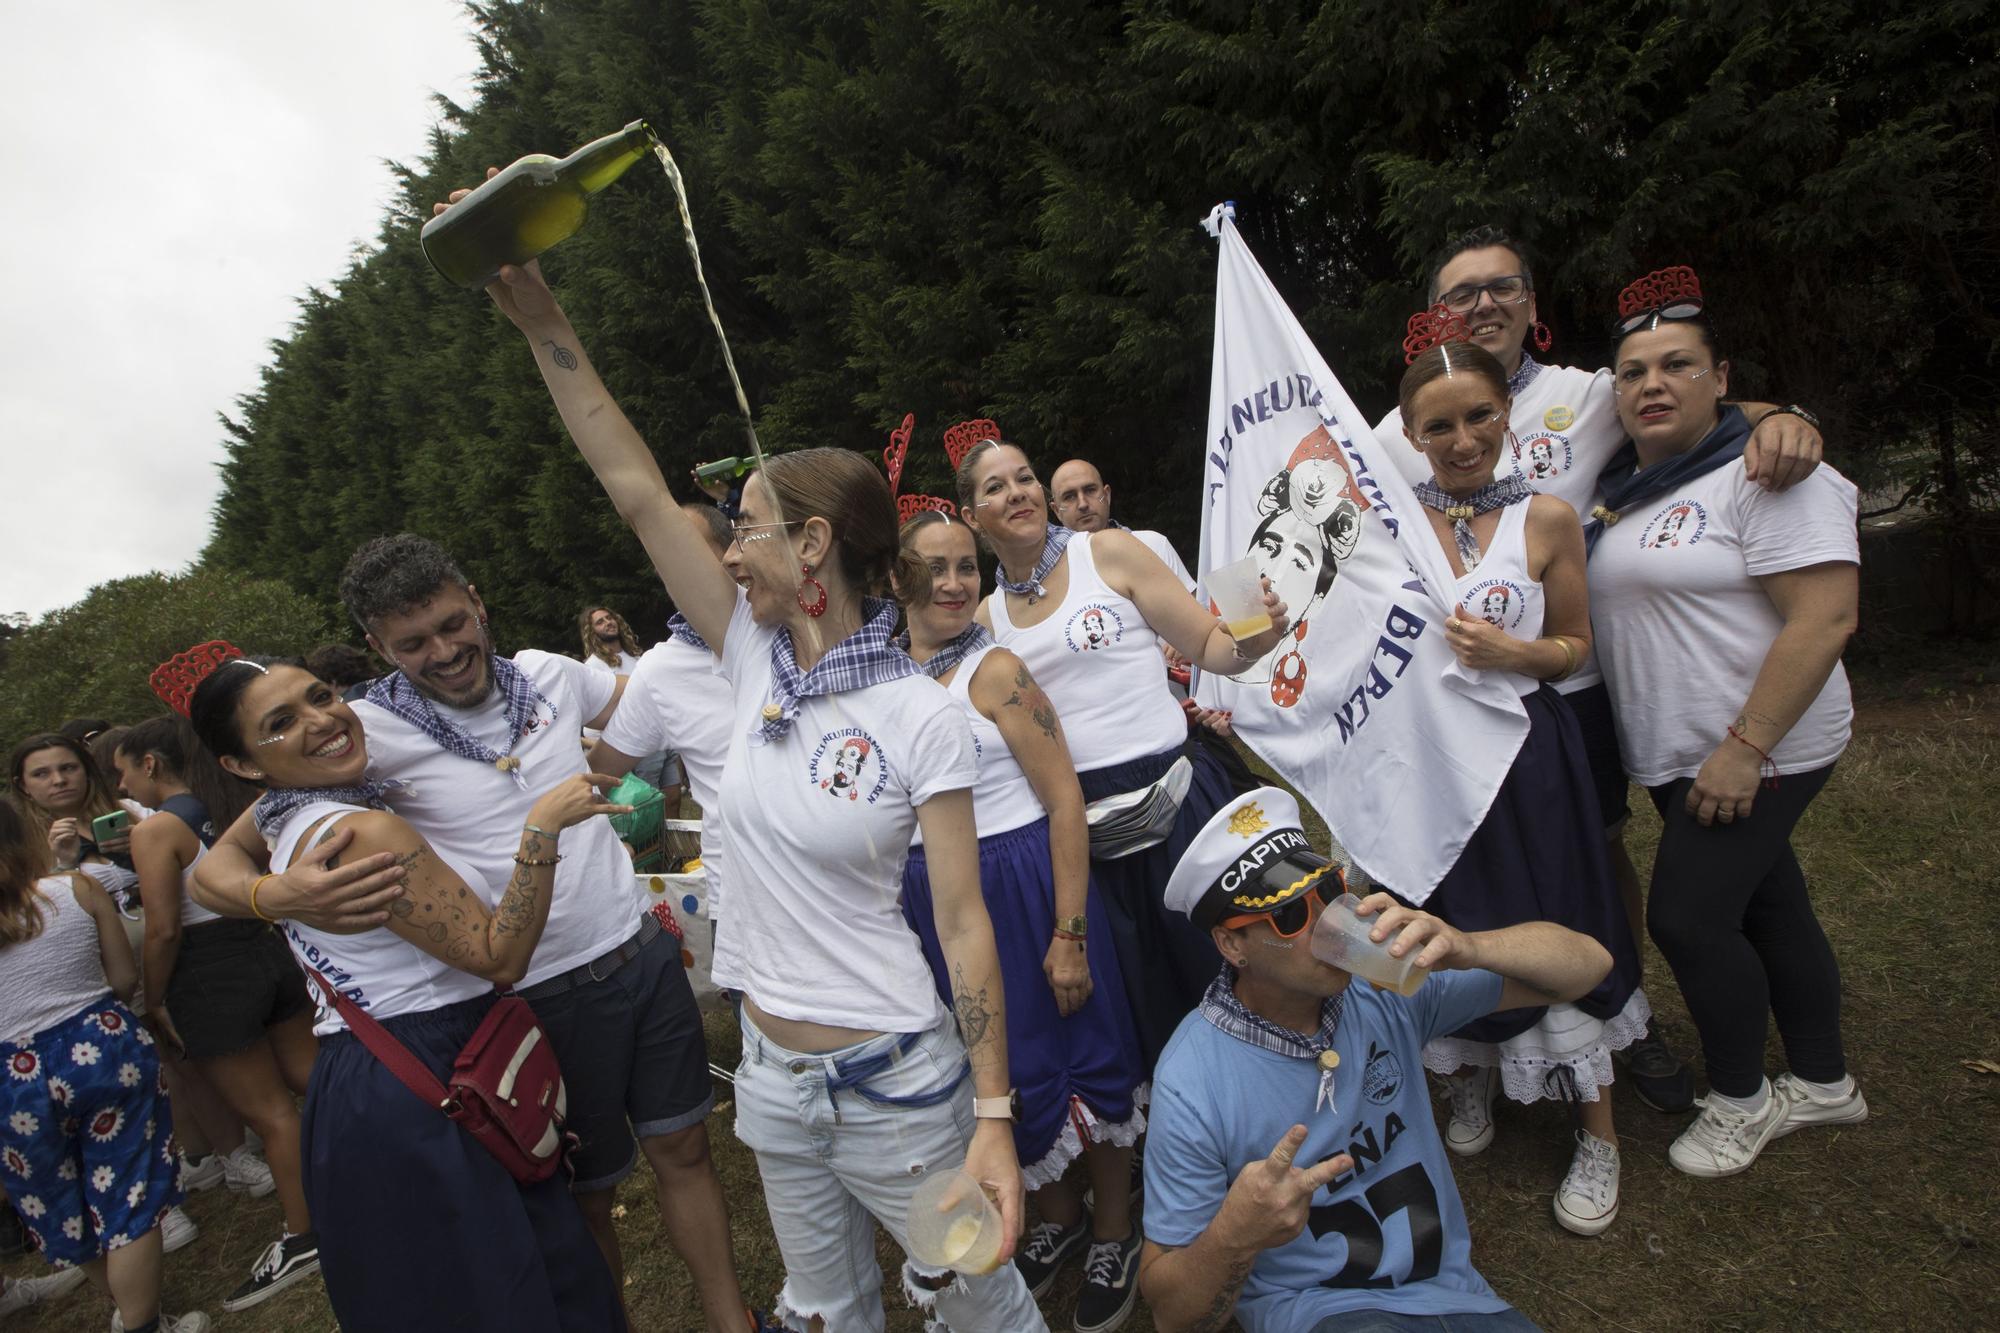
(594, 646)
(390, 575)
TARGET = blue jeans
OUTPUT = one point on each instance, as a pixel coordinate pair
(1388, 1321)
(835, 1162)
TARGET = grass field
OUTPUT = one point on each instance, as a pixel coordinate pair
(1887, 1225)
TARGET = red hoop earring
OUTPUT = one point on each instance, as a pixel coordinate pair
(1288, 674)
(1544, 337)
(817, 606)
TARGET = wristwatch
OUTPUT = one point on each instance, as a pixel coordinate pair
(1790, 410)
(1073, 925)
(997, 1108)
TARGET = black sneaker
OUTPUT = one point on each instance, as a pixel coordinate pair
(1110, 1284)
(284, 1262)
(1047, 1248)
(1657, 1074)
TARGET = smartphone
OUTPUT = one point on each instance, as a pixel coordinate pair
(106, 827)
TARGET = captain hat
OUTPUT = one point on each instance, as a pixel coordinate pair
(1251, 857)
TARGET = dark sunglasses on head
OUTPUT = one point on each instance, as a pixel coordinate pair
(1297, 916)
(1685, 308)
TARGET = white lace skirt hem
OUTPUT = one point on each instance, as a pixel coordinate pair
(1566, 1038)
(1081, 1128)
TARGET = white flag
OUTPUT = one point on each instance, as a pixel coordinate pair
(1363, 706)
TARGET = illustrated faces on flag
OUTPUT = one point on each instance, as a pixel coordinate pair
(1311, 522)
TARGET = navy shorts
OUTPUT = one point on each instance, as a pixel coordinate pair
(1592, 706)
(633, 1053)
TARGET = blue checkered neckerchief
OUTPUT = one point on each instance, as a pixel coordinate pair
(1510, 489)
(1052, 550)
(865, 657)
(518, 699)
(274, 807)
(1524, 375)
(1221, 1008)
(678, 628)
(953, 651)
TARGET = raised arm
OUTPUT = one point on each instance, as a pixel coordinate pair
(965, 933)
(1538, 962)
(447, 920)
(1820, 605)
(1007, 694)
(1193, 631)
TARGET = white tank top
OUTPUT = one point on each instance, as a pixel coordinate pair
(1002, 797)
(1500, 591)
(377, 969)
(50, 977)
(1100, 663)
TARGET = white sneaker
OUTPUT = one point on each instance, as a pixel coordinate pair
(23, 1292)
(194, 1321)
(206, 1176)
(177, 1230)
(1587, 1203)
(1804, 1107)
(247, 1173)
(1471, 1127)
(1724, 1140)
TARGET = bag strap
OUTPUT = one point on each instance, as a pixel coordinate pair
(409, 1070)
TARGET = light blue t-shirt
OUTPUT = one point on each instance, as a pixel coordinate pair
(1388, 1235)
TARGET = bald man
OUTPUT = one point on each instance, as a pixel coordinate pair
(1082, 503)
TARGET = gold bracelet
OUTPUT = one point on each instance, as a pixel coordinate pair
(255, 910)
(1569, 656)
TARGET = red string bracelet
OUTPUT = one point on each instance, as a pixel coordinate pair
(1767, 767)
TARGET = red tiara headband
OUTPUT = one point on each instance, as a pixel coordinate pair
(961, 439)
(908, 506)
(176, 679)
(1430, 327)
(1668, 293)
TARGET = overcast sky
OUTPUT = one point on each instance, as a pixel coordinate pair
(176, 175)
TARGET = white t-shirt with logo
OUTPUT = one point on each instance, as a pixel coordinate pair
(1100, 663)
(816, 826)
(472, 812)
(1683, 626)
(1566, 430)
(676, 699)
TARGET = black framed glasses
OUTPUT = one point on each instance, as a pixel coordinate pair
(1510, 290)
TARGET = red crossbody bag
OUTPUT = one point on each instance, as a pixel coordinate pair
(506, 1089)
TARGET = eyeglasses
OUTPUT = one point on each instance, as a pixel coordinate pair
(1675, 368)
(1687, 307)
(745, 533)
(1510, 290)
(1296, 917)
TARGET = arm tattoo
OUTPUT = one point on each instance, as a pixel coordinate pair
(562, 356)
(517, 906)
(1216, 1317)
(975, 1012)
(1029, 695)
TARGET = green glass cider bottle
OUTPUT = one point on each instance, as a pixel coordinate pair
(527, 208)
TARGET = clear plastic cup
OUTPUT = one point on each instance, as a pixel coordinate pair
(1340, 939)
(1238, 592)
(952, 1224)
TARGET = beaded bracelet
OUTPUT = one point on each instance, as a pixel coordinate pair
(533, 861)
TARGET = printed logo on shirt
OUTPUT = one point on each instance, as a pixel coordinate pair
(1559, 418)
(1383, 1078)
(1093, 627)
(544, 717)
(1681, 523)
(848, 764)
(1542, 457)
(1497, 602)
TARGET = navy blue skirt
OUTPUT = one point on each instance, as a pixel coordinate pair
(1167, 963)
(419, 1227)
(1091, 1057)
(1539, 856)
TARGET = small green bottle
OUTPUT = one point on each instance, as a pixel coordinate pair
(725, 467)
(527, 208)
